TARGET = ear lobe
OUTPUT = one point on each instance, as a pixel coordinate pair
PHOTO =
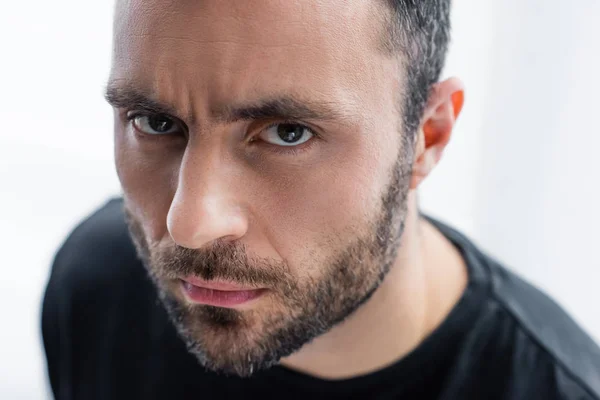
(444, 105)
(423, 166)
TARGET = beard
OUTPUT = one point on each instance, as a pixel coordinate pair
(296, 311)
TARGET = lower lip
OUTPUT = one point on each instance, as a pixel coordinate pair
(219, 298)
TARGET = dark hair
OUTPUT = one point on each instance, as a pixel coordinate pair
(420, 31)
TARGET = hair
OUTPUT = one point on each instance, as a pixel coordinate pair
(419, 30)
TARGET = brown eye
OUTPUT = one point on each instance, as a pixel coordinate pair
(155, 124)
(286, 134)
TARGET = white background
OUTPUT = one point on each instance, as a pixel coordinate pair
(521, 175)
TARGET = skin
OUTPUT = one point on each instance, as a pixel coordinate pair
(222, 182)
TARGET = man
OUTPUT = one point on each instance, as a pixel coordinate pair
(270, 154)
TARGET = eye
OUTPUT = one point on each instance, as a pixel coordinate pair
(155, 124)
(286, 134)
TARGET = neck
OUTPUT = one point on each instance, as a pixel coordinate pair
(425, 282)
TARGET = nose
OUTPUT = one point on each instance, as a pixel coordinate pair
(206, 206)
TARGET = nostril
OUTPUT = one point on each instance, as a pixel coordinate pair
(201, 224)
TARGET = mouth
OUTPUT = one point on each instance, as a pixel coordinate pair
(218, 293)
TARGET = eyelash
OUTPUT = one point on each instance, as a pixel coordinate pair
(131, 115)
(288, 150)
(283, 150)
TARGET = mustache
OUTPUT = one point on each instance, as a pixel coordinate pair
(228, 261)
(221, 261)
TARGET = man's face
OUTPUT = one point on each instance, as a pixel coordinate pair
(259, 144)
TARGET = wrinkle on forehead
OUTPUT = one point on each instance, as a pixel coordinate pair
(269, 23)
(199, 54)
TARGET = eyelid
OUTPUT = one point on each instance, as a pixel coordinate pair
(133, 114)
(261, 126)
(130, 115)
(280, 150)
(274, 124)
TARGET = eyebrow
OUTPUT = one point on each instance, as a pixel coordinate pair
(285, 107)
(129, 98)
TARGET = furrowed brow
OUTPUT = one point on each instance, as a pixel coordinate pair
(127, 97)
(280, 108)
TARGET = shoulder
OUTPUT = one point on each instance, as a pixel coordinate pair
(546, 326)
(92, 265)
(541, 347)
(98, 298)
(97, 248)
(95, 260)
(89, 270)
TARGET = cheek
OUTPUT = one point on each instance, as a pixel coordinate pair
(148, 180)
(318, 212)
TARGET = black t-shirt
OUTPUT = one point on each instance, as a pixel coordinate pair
(107, 336)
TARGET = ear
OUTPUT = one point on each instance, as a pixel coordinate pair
(443, 107)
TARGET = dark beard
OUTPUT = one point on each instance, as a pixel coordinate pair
(242, 342)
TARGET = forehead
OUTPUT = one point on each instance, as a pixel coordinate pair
(232, 48)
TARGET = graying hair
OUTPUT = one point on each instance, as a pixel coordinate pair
(420, 31)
